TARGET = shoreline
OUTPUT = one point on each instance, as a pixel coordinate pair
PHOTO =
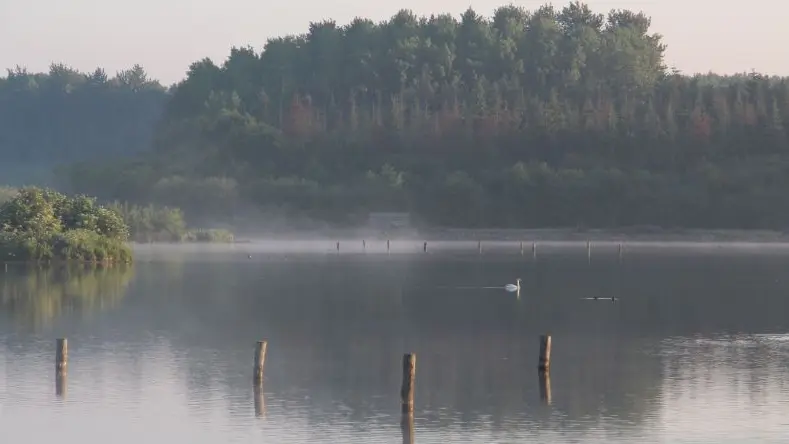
(615, 235)
(528, 235)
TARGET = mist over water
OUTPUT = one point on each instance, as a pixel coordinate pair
(413, 245)
(694, 350)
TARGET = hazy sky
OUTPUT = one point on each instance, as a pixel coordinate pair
(165, 36)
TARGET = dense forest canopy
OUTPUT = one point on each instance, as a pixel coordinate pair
(552, 117)
(47, 119)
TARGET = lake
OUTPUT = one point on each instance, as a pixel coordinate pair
(695, 349)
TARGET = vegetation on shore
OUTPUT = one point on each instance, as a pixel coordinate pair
(41, 225)
(545, 118)
(152, 223)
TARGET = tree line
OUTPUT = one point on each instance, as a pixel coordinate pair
(552, 117)
(63, 116)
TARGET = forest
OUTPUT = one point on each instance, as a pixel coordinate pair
(546, 118)
(63, 116)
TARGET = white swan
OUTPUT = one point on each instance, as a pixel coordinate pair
(516, 287)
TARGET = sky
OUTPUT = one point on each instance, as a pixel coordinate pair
(166, 36)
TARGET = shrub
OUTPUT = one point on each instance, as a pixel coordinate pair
(41, 224)
(214, 235)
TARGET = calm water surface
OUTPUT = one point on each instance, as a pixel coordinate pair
(695, 351)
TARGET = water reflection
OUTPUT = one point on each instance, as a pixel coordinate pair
(407, 428)
(690, 347)
(338, 328)
(33, 295)
(260, 401)
(544, 379)
(61, 383)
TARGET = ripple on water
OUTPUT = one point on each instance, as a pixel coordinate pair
(173, 363)
(741, 375)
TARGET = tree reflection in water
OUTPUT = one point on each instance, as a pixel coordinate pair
(34, 295)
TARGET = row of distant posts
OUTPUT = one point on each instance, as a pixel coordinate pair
(406, 389)
(621, 249)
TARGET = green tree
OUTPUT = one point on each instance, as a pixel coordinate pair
(552, 117)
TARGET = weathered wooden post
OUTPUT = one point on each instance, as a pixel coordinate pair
(545, 353)
(61, 355)
(545, 386)
(407, 389)
(364, 245)
(338, 246)
(407, 427)
(424, 247)
(260, 361)
(621, 251)
(61, 366)
(589, 251)
(521, 248)
(534, 250)
(260, 402)
(479, 246)
(387, 246)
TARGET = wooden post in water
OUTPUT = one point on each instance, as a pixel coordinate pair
(61, 355)
(621, 251)
(407, 427)
(387, 246)
(589, 251)
(364, 245)
(61, 366)
(534, 251)
(424, 247)
(545, 386)
(260, 361)
(479, 246)
(545, 353)
(407, 389)
(521, 248)
(338, 246)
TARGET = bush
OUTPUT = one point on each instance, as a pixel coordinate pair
(216, 235)
(151, 223)
(90, 246)
(41, 224)
(164, 224)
